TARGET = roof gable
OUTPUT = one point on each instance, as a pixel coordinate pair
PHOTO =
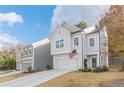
(41, 42)
(71, 28)
(92, 29)
(58, 28)
(67, 27)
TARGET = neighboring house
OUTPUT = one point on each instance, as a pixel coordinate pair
(90, 45)
(37, 55)
(18, 57)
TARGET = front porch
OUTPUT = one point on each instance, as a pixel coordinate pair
(93, 61)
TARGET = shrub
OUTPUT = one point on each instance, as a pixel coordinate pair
(29, 68)
(7, 62)
(104, 68)
(122, 64)
(97, 69)
(101, 69)
(85, 70)
(80, 70)
(85, 63)
(48, 67)
(90, 70)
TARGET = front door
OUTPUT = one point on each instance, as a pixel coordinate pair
(94, 62)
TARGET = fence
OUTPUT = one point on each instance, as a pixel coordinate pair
(116, 60)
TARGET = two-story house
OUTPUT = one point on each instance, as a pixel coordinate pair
(90, 45)
(37, 55)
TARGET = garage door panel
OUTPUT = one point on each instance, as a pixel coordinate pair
(18, 66)
(66, 63)
(25, 66)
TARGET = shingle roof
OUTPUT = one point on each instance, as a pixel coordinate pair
(41, 42)
(71, 28)
(92, 29)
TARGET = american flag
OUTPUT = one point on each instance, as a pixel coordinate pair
(73, 53)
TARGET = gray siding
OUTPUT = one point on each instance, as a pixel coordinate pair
(42, 57)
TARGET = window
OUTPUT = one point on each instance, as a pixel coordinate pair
(30, 51)
(92, 42)
(59, 43)
(25, 52)
(76, 43)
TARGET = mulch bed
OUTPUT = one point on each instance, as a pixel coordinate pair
(113, 83)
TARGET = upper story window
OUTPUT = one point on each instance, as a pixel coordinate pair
(92, 42)
(57, 44)
(30, 51)
(60, 43)
(26, 52)
(76, 41)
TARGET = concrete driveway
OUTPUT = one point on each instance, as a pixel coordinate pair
(34, 79)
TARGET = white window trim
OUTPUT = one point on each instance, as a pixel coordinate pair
(30, 48)
(92, 63)
(73, 41)
(89, 41)
(56, 44)
(25, 51)
(59, 44)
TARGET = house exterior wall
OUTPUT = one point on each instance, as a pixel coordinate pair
(89, 60)
(18, 59)
(36, 55)
(79, 48)
(26, 58)
(88, 51)
(68, 38)
(58, 35)
(42, 57)
(103, 48)
(100, 49)
(68, 45)
(94, 49)
(85, 51)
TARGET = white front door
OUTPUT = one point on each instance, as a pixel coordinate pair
(94, 61)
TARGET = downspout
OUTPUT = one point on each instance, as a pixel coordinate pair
(82, 51)
(99, 48)
(33, 57)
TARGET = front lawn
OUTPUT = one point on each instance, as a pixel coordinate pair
(115, 66)
(12, 77)
(82, 79)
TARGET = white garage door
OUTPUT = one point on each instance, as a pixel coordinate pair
(67, 63)
(25, 66)
(18, 66)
